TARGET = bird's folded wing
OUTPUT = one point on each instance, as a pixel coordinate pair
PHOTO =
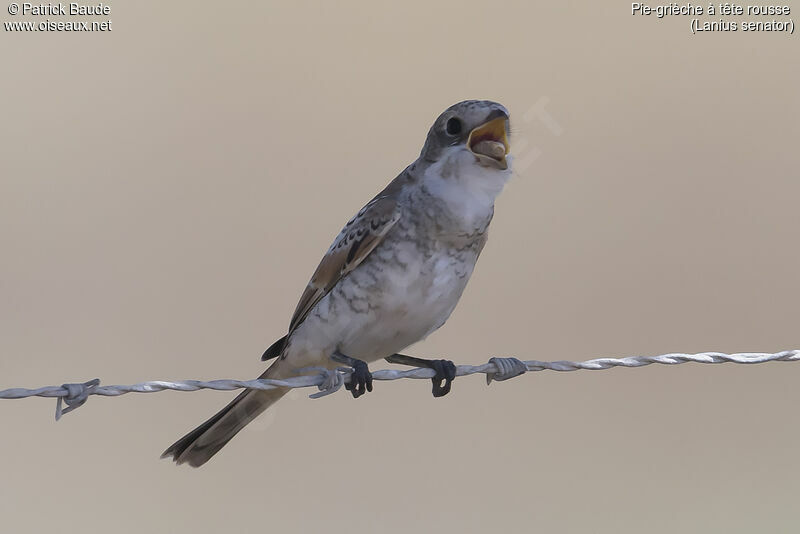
(357, 239)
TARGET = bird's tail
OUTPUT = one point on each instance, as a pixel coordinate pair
(198, 446)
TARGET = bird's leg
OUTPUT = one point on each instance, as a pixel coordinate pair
(445, 371)
(360, 380)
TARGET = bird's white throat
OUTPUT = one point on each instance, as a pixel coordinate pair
(467, 188)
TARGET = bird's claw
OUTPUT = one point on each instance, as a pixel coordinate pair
(360, 380)
(445, 372)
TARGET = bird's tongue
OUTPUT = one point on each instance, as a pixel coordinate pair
(493, 149)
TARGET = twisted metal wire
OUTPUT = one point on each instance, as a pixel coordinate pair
(330, 381)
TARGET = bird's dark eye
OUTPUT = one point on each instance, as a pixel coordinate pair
(453, 126)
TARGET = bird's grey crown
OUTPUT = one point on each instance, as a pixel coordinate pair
(471, 113)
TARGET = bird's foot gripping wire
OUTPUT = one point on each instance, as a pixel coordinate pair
(445, 371)
(360, 380)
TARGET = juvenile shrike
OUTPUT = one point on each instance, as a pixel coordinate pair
(392, 276)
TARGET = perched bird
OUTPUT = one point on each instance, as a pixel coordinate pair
(394, 273)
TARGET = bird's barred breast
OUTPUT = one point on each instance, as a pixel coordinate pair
(404, 290)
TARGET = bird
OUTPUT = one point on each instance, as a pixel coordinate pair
(392, 276)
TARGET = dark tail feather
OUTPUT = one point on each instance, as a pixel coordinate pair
(275, 350)
(198, 446)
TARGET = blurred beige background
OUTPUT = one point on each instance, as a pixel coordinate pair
(167, 189)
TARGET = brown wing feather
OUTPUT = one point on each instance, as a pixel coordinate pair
(357, 239)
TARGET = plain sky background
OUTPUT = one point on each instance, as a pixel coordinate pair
(167, 189)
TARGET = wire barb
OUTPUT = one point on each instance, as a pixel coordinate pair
(330, 381)
(506, 368)
(75, 397)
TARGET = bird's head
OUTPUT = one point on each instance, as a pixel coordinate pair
(474, 131)
(465, 161)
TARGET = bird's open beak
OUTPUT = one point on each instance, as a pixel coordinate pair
(489, 143)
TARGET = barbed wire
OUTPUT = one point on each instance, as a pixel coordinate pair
(331, 380)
